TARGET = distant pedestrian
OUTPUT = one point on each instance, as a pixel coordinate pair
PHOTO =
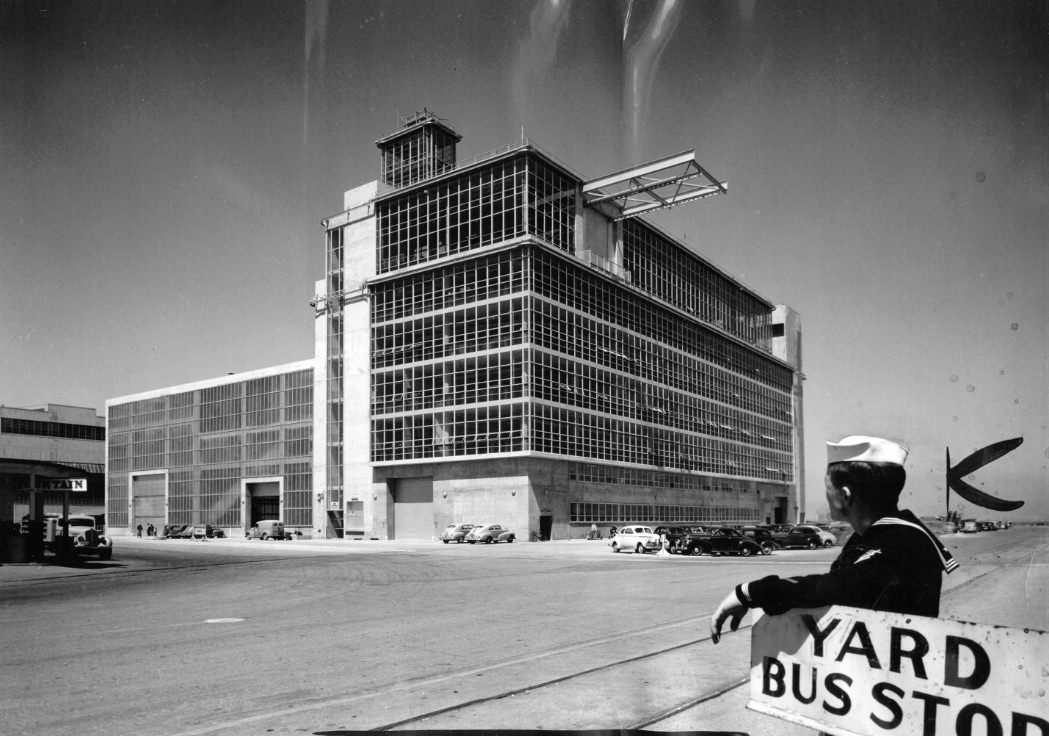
(139, 529)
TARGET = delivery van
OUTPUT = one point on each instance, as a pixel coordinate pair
(268, 529)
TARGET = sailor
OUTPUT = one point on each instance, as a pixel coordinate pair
(892, 562)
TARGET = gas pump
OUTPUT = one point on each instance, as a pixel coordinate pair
(50, 530)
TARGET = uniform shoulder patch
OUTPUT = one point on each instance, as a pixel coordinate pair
(869, 554)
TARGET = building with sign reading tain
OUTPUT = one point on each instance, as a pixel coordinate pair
(41, 446)
(498, 340)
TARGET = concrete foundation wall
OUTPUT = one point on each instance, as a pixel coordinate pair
(515, 492)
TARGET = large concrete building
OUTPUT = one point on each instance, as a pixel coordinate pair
(496, 340)
(227, 452)
(56, 442)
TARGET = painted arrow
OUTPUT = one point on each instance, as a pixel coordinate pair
(974, 462)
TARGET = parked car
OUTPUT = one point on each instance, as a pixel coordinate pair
(696, 542)
(455, 533)
(489, 534)
(725, 540)
(986, 526)
(969, 526)
(201, 531)
(268, 529)
(763, 537)
(829, 538)
(86, 539)
(636, 537)
(801, 535)
(675, 536)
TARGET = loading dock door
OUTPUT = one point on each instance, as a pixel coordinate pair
(147, 498)
(263, 501)
(413, 508)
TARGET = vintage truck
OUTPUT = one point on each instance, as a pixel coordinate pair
(86, 540)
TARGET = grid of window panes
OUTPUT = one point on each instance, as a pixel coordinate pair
(63, 430)
(643, 513)
(209, 440)
(466, 361)
(644, 478)
(670, 272)
(482, 279)
(448, 361)
(505, 200)
(621, 379)
(419, 154)
(569, 284)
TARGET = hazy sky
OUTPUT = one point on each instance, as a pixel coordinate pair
(164, 168)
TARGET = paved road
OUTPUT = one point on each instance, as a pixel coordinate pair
(237, 637)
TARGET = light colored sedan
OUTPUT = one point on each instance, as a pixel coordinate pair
(489, 534)
(827, 537)
(636, 538)
(455, 533)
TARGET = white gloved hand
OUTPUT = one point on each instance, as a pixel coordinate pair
(732, 609)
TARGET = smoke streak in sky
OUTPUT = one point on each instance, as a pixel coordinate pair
(642, 48)
(537, 51)
(316, 27)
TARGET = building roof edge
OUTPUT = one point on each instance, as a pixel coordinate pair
(211, 382)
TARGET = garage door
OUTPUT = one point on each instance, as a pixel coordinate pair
(147, 494)
(413, 508)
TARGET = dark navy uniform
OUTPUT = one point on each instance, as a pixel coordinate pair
(897, 565)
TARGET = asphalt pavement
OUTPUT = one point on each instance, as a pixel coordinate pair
(414, 613)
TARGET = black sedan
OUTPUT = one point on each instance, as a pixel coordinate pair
(724, 540)
(801, 535)
(763, 537)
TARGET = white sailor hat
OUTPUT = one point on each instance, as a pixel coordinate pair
(859, 448)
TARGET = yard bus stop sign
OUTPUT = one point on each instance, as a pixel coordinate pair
(854, 672)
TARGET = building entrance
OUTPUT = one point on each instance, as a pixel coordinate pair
(546, 527)
(413, 508)
(263, 501)
(147, 501)
(780, 511)
(354, 526)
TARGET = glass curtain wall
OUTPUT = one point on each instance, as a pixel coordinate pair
(209, 440)
(620, 378)
(515, 197)
(526, 350)
(670, 272)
